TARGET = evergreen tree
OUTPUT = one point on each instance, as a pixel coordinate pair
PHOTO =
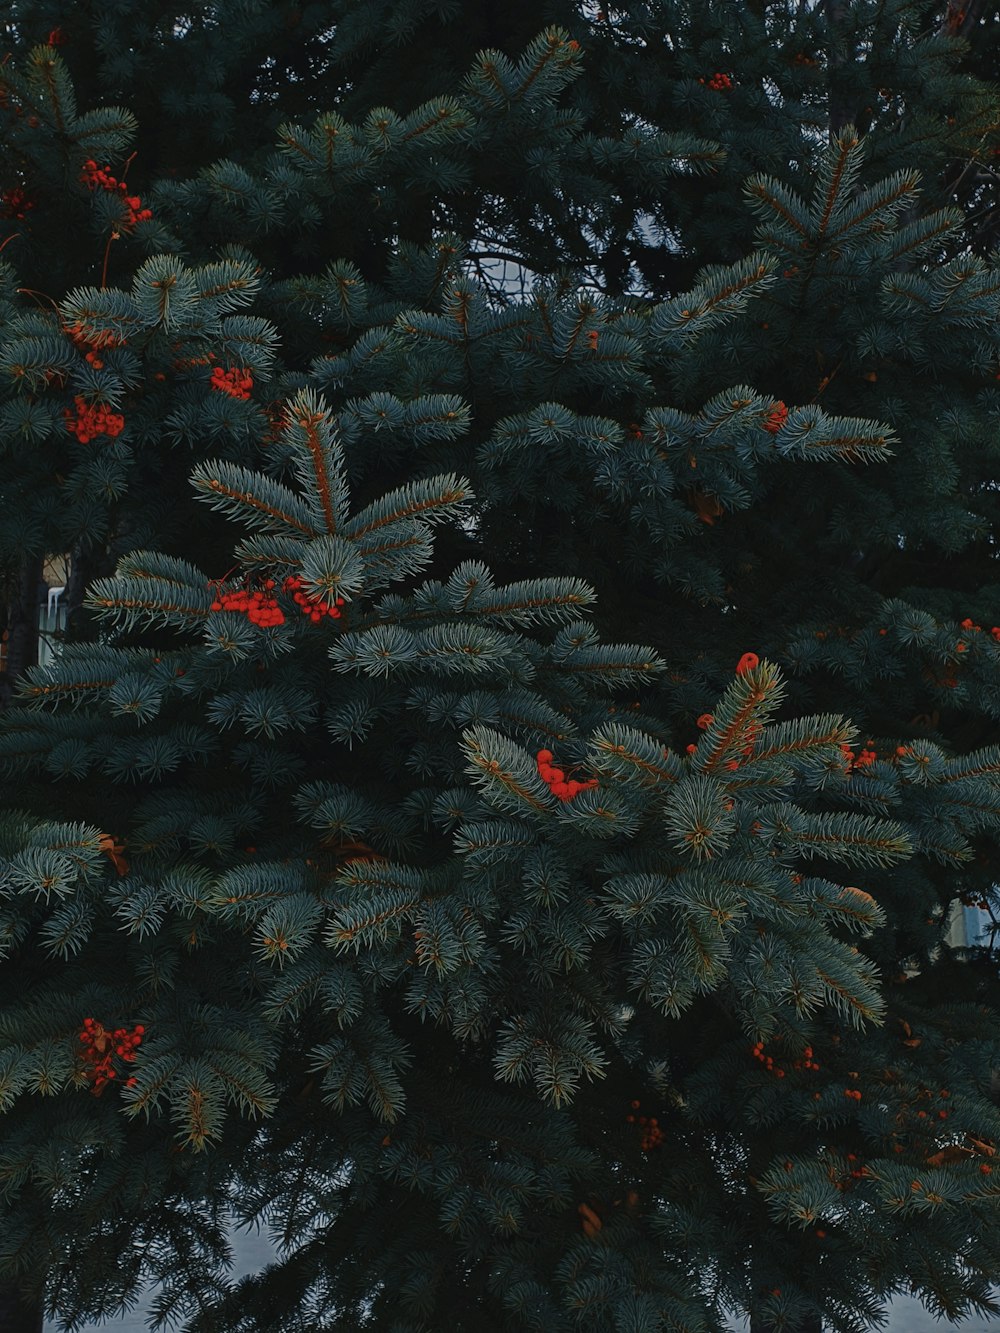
(534, 491)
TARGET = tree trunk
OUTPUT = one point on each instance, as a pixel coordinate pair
(81, 571)
(22, 626)
(18, 1313)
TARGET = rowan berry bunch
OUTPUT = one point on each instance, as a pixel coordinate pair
(807, 1061)
(92, 419)
(91, 341)
(102, 1046)
(842, 1176)
(947, 681)
(260, 607)
(652, 1134)
(189, 362)
(719, 83)
(776, 418)
(309, 606)
(559, 785)
(236, 383)
(100, 178)
(856, 1170)
(768, 1061)
(864, 759)
(968, 899)
(14, 203)
(771, 1065)
(971, 627)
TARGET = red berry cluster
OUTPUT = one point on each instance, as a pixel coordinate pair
(748, 662)
(14, 203)
(968, 899)
(805, 1061)
(95, 177)
(767, 1061)
(776, 418)
(652, 1134)
(260, 608)
(866, 757)
(90, 340)
(237, 383)
(556, 778)
(946, 681)
(841, 1179)
(977, 629)
(857, 1172)
(308, 605)
(592, 336)
(719, 83)
(91, 419)
(940, 1113)
(101, 1045)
